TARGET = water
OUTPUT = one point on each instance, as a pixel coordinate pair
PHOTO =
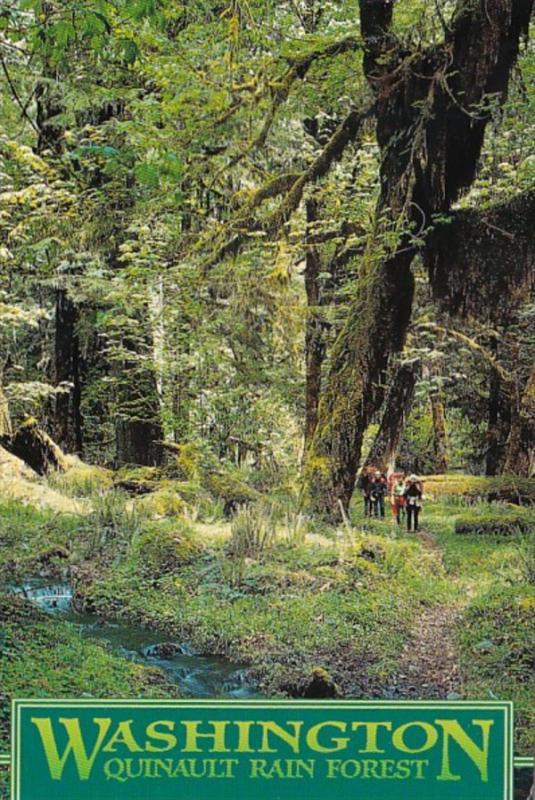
(197, 675)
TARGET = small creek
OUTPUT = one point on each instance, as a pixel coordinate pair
(196, 675)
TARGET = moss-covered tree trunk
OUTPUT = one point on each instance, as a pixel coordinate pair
(396, 409)
(520, 459)
(438, 418)
(138, 425)
(430, 129)
(67, 418)
(35, 448)
(5, 417)
(440, 432)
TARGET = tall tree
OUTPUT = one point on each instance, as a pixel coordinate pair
(432, 110)
(520, 458)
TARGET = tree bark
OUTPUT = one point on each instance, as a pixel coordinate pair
(520, 459)
(430, 139)
(136, 442)
(482, 263)
(68, 421)
(440, 432)
(499, 418)
(396, 409)
(138, 427)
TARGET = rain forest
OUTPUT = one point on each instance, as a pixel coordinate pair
(267, 347)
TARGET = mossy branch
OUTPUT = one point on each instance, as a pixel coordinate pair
(244, 224)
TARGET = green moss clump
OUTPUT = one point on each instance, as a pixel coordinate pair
(164, 549)
(317, 685)
(164, 502)
(137, 480)
(473, 488)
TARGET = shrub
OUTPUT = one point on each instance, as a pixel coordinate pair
(526, 557)
(112, 522)
(252, 531)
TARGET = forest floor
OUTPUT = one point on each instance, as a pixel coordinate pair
(365, 610)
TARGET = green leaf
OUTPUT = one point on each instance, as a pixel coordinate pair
(63, 33)
(129, 50)
(147, 174)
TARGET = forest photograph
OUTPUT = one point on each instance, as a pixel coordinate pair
(267, 351)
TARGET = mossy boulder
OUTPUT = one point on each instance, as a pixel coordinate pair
(231, 490)
(164, 549)
(318, 684)
(137, 480)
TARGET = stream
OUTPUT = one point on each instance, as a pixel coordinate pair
(196, 675)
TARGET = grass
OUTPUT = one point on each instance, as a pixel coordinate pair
(283, 599)
(497, 645)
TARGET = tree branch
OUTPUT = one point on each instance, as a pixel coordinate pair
(485, 354)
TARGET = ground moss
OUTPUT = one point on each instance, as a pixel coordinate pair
(164, 502)
(473, 488)
(231, 490)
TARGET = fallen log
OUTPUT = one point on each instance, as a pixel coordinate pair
(36, 448)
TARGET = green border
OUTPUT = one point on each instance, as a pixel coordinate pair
(505, 706)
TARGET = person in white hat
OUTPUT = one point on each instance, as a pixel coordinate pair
(413, 501)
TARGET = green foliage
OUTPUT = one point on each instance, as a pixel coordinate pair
(526, 556)
(113, 524)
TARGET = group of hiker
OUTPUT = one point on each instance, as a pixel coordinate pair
(405, 494)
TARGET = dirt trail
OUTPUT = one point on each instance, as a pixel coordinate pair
(429, 662)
